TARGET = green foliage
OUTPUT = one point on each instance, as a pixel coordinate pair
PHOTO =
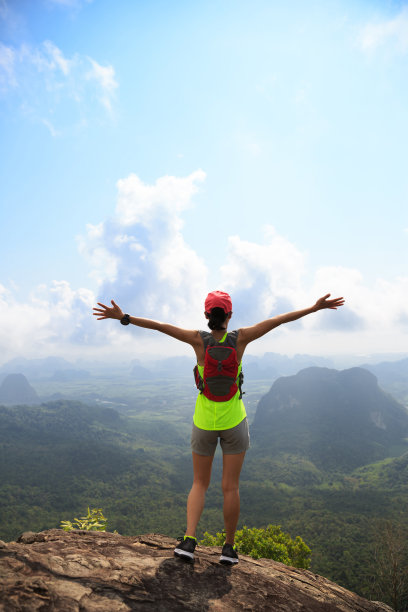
(268, 543)
(93, 521)
(63, 455)
(389, 564)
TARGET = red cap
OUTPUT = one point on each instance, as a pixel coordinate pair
(218, 299)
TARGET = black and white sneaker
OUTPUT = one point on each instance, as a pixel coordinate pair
(229, 555)
(185, 550)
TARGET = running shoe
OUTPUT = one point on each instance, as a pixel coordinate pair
(229, 555)
(185, 550)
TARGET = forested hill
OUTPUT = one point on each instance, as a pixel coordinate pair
(339, 420)
(15, 389)
(310, 431)
(58, 457)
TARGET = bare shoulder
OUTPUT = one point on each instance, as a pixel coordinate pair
(247, 335)
(196, 338)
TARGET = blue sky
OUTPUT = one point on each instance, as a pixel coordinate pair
(152, 151)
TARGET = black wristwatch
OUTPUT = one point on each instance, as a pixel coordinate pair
(125, 320)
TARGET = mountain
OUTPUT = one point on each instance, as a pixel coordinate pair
(273, 365)
(35, 368)
(139, 372)
(268, 367)
(389, 370)
(177, 366)
(392, 376)
(15, 389)
(338, 420)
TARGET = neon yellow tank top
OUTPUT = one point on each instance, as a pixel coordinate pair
(212, 415)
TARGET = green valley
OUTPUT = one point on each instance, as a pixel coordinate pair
(328, 462)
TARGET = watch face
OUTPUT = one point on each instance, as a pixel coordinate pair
(125, 319)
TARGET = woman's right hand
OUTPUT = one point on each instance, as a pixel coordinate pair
(324, 302)
(107, 312)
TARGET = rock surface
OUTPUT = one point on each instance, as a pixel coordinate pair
(90, 571)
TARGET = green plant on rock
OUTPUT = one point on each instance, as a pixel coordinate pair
(268, 543)
(93, 521)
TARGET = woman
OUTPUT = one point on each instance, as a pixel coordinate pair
(213, 419)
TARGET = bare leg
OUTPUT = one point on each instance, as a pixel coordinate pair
(232, 465)
(202, 474)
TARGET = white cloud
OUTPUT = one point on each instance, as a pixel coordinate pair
(7, 61)
(143, 204)
(51, 128)
(271, 278)
(104, 264)
(52, 320)
(105, 77)
(391, 32)
(262, 276)
(380, 306)
(54, 89)
(58, 60)
(278, 261)
(140, 258)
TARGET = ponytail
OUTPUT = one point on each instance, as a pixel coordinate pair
(216, 318)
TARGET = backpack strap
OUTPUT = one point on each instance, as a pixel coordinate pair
(207, 337)
(240, 383)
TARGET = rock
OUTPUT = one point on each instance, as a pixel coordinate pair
(91, 571)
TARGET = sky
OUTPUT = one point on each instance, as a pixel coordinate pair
(153, 151)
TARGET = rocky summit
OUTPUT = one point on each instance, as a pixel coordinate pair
(92, 571)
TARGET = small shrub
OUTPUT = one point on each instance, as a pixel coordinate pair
(268, 543)
(93, 521)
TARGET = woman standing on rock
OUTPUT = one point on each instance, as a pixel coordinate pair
(219, 412)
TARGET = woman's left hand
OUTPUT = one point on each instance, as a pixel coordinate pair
(107, 312)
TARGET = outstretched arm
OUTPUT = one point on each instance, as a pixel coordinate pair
(114, 312)
(248, 334)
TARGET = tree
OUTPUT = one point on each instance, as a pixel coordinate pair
(389, 569)
(268, 543)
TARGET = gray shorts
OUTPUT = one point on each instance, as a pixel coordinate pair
(233, 441)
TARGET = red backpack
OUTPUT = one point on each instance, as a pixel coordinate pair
(220, 368)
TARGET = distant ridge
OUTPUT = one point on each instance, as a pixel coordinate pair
(15, 389)
(35, 368)
(336, 419)
(392, 375)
